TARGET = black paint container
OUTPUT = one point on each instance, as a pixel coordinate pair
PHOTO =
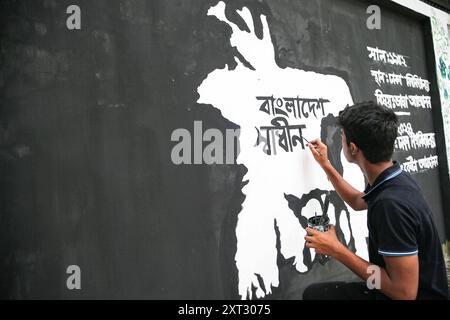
(322, 224)
(319, 223)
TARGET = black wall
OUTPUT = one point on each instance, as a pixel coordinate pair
(85, 123)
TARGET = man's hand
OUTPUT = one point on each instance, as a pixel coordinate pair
(319, 151)
(325, 243)
(349, 194)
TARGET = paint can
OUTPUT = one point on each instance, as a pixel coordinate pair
(319, 223)
(322, 224)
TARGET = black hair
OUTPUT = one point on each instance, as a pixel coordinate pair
(372, 128)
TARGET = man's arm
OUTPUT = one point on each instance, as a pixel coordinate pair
(399, 280)
(349, 194)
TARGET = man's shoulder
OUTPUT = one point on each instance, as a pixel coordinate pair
(402, 189)
(401, 196)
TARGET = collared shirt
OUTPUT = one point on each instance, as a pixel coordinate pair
(400, 223)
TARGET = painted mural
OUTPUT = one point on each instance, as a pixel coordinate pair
(278, 110)
(88, 176)
(441, 47)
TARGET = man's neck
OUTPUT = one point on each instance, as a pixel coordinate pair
(372, 171)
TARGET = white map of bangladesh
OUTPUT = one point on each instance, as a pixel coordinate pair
(271, 176)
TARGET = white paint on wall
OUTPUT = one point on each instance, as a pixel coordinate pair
(425, 9)
(270, 177)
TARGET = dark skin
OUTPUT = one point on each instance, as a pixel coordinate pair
(400, 278)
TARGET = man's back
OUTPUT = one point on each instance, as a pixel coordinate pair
(400, 223)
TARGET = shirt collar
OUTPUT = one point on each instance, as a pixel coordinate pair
(386, 175)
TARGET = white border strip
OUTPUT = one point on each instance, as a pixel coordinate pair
(425, 9)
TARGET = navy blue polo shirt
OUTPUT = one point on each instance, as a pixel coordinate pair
(400, 223)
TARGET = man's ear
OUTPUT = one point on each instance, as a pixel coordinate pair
(353, 149)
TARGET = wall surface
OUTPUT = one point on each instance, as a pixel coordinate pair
(114, 148)
(439, 22)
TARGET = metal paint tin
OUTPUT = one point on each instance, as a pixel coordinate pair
(319, 223)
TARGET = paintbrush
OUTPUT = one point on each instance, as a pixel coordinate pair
(325, 207)
(314, 148)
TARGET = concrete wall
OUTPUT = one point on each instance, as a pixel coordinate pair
(440, 20)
